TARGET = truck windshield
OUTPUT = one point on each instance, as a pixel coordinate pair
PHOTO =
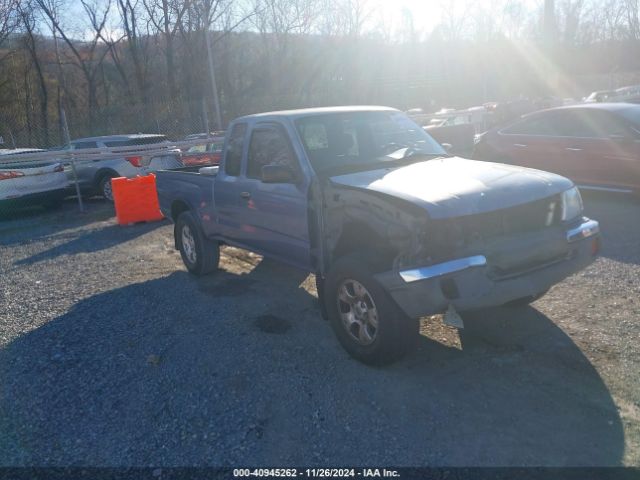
(355, 140)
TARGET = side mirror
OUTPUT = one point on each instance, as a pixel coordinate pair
(447, 147)
(277, 174)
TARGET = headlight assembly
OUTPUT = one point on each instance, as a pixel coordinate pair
(571, 204)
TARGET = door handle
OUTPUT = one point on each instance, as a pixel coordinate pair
(245, 195)
(519, 145)
(574, 149)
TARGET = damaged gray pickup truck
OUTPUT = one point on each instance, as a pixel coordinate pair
(391, 225)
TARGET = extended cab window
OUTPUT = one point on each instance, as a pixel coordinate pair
(233, 157)
(269, 146)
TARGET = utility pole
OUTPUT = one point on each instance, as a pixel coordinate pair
(67, 141)
(205, 117)
(212, 75)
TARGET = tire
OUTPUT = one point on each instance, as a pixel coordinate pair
(199, 254)
(524, 301)
(104, 187)
(381, 342)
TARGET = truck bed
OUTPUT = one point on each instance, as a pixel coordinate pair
(186, 185)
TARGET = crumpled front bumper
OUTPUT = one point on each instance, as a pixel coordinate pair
(470, 283)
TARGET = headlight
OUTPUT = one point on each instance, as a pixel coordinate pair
(571, 204)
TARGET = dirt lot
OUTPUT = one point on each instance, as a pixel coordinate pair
(113, 355)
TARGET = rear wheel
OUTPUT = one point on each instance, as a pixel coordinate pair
(367, 322)
(199, 254)
(104, 187)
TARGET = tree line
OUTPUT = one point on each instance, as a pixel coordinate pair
(142, 65)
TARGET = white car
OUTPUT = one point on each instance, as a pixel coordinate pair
(30, 182)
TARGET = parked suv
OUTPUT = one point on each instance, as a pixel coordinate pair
(95, 175)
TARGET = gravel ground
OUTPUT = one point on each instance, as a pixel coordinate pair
(112, 355)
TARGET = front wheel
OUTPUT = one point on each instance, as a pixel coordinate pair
(199, 254)
(367, 322)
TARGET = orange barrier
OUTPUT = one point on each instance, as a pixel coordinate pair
(136, 199)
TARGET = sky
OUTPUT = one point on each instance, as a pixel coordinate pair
(427, 14)
(393, 14)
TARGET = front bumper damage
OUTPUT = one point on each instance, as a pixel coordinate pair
(471, 282)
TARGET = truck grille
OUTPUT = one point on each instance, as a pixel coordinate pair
(452, 234)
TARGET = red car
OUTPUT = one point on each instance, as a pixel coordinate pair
(597, 145)
(204, 154)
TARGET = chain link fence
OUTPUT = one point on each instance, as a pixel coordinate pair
(35, 141)
(45, 159)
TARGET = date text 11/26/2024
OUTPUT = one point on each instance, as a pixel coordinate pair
(316, 472)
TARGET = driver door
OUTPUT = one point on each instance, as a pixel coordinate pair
(275, 214)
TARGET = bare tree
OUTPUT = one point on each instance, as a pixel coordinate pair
(347, 17)
(278, 21)
(455, 19)
(136, 42)
(87, 55)
(570, 16)
(632, 8)
(167, 16)
(8, 18)
(26, 12)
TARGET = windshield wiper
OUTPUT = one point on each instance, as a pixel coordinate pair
(420, 153)
(410, 151)
(382, 162)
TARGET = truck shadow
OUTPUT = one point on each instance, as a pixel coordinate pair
(616, 214)
(40, 223)
(176, 371)
(68, 211)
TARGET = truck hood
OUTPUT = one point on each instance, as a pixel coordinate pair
(452, 187)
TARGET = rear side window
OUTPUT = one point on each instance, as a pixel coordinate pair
(233, 157)
(132, 142)
(576, 123)
(538, 125)
(604, 125)
(573, 123)
(82, 145)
